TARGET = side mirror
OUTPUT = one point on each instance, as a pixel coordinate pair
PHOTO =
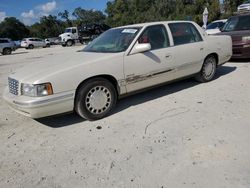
(139, 48)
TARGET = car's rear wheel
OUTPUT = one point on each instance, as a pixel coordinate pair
(95, 99)
(31, 46)
(7, 51)
(208, 70)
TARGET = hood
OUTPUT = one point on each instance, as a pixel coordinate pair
(65, 34)
(236, 33)
(50, 65)
(212, 31)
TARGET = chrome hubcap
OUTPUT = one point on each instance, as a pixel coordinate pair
(98, 100)
(209, 68)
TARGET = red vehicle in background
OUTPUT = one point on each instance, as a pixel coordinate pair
(238, 27)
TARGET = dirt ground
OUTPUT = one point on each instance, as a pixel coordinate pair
(179, 135)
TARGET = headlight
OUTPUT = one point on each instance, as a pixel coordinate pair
(246, 39)
(37, 90)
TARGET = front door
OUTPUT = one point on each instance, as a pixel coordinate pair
(152, 67)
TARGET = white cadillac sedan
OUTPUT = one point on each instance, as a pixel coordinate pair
(120, 61)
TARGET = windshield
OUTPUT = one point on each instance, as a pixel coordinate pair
(215, 25)
(67, 30)
(237, 24)
(114, 40)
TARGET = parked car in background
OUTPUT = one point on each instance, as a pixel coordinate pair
(30, 43)
(6, 46)
(17, 43)
(215, 27)
(244, 7)
(120, 61)
(53, 41)
(238, 27)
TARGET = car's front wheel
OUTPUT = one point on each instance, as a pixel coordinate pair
(95, 99)
(208, 70)
(69, 43)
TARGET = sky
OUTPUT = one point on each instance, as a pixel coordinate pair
(29, 11)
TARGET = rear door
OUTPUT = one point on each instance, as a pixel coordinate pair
(40, 42)
(189, 48)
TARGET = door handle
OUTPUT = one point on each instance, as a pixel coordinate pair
(201, 49)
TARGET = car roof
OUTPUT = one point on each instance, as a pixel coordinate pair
(154, 23)
(241, 14)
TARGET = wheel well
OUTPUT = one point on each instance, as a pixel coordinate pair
(71, 40)
(216, 57)
(7, 48)
(110, 78)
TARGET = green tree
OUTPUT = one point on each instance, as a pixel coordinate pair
(230, 6)
(12, 28)
(65, 16)
(84, 16)
(121, 12)
(49, 26)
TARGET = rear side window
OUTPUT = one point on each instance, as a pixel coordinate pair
(155, 35)
(184, 33)
(4, 41)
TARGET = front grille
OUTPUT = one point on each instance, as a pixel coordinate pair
(13, 86)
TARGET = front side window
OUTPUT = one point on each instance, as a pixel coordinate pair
(212, 26)
(155, 35)
(184, 33)
(4, 41)
(73, 30)
(231, 24)
(113, 40)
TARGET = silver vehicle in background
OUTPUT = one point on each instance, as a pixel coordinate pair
(30, 43)
(6, 46)
(244, 7)
(215, 27)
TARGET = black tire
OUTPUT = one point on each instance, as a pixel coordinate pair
(31, 46)
(69, 43)
(208, 70)
(88, 106)
(7, 51)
